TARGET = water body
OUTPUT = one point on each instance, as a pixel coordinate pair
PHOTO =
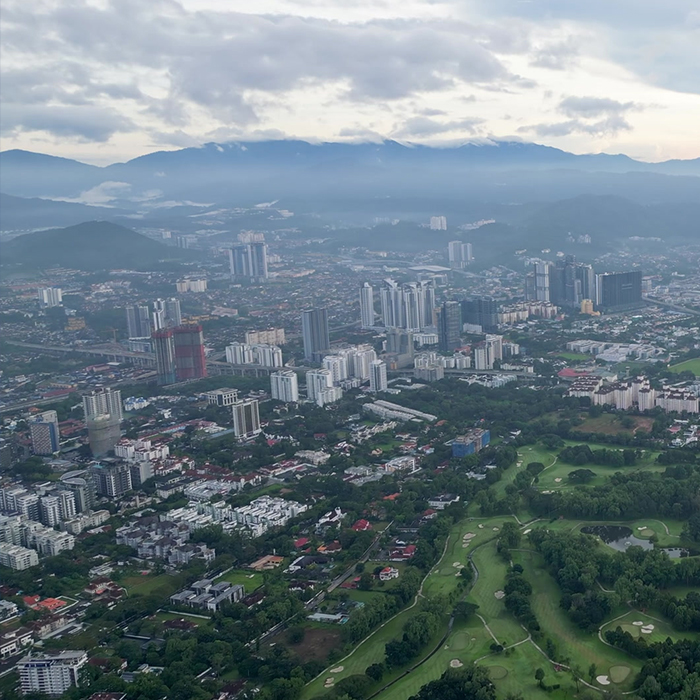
(620, 538)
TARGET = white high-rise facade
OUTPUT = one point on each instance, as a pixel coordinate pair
(50, 297)
(367, 305)
(377, 376)
(438, 223)
(103, 402)
(263, 355)
(337, 365)
(52, 673)
(459, 254)
(363, 357)
(410, 307)
(284, 386)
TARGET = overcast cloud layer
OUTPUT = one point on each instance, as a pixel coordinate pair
(105, 80)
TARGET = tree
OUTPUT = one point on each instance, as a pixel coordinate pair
(539, 677)
(592, 672)
(376, 671)
(365, 583)
(295, 635)
(469, 683)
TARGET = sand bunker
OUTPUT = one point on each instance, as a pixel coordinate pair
(499, 595)
(329, 682)
(469, 535)
(456, 663)
(338, 669)
(646, 630)
(603, 680)
(495, 529)
(481, 527)
(638, 623)
(528, 531)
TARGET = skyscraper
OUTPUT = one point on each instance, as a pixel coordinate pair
(246, 418)
(249, 260)
(317, 381)
(102, 402)
(459, 254)
(284, 386)
(111, 480)
(338, 367)
(392, 304)
(50, 511)
(52, 673)
(367, 305)
(173, 314)
(164, 348)
(377, 376)
(104, 432)
(409, 307)
(190, 361)
(138, 321)
(481, 311)
(618, 290)
(314, 329)
(449, 326)
(50, 297)
(44, 432)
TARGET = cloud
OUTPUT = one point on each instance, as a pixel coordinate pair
(610, 126)
(102, 194)
(590, 107)
(82, 123)
(419, 127)
(556, 56)
(226, 63)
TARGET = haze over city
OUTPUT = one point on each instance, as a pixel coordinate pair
(349, 351)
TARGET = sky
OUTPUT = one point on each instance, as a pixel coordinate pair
(109, 80)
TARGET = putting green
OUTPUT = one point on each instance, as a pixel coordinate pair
(460, 641)
(448, 572)
(634, 631)
(619, 673)
(646, 532)
(497, 673)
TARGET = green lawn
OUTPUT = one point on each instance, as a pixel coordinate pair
(163, 584)
(583, 648)
(492, 575)
(248, 579)
(574, 356)
(688, 366)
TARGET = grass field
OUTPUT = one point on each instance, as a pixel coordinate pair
(573, 356)
(582, 647)
(662, 629)
(250, 580)
(164, 584)
(610, 424)
(688, 366)
(492, 575)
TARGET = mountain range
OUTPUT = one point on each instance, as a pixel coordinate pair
(297, 172)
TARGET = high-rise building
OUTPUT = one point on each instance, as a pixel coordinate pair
(104, 432)
(284, 386)
(245, 354)
(50, 297)
(449, 326)
(82, 485)
(173, 314)
(246, 418)
(103, 402)
(164, 348)
(317, 381)
(438, 223)
(52, 673)
(459, 254)
(314, 329)
(249, 260)
(366, 305)
(112, 480)
(618, 290)
(44, 432)
(270, 336)
(190, 361)
(28, 505)
(158, 315)
(392, 304)
(138, 321)
(362, 356)
(66, 503)
(377, 376)
(338, 367)
(488, 352)
(570, 282)
(481, 311)
(409, 307)
(50, 511)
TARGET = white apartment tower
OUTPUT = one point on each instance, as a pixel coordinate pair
(377, 376)
(367, 305)
(284, 386)
(246, 418)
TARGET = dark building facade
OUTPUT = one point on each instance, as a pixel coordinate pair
(449, 326)
(619, 290)
(314, 329)
(190, 362)
(481, 311)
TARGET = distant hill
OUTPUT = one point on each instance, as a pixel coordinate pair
(22, 214)
(93, 245)
(244, 174)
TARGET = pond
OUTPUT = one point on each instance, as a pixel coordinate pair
(620, 538)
